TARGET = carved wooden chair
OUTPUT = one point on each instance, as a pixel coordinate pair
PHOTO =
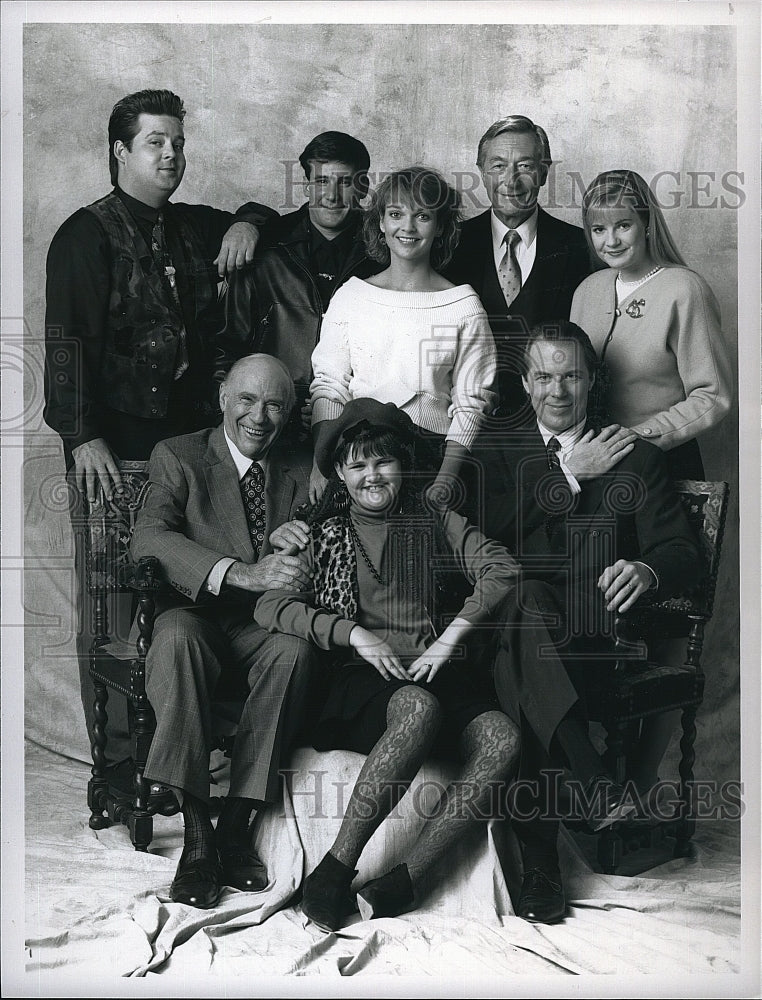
(115, 664)
(640, 687)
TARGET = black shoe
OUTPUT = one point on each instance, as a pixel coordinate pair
(387, 896)
(326, 897)
(242, 869)
(197, 883)
(542, 897)
(610, 803)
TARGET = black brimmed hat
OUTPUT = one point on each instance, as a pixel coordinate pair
(357, 412)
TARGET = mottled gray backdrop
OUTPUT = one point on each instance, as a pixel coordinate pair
(650, 98)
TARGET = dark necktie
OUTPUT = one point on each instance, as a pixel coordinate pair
(166, 269)
(253, 494)
(552, 448)
(509, 271)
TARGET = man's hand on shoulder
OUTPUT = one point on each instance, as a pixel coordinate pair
(94, 465)
(593, 455)
(237, 248)
(273, 572)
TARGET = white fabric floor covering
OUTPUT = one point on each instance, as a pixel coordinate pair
(97, 911)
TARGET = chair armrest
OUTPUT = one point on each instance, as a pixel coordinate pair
(145, 576)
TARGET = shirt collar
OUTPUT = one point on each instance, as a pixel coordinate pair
(568, 438)
(527, 230)
(138, 208)
(242, 463)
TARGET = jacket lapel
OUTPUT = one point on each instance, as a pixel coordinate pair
(279, 496)
(225, 495)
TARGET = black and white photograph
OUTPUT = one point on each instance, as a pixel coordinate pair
(380, 499)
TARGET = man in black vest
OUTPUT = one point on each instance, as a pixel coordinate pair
(131, 312)
(523, 263)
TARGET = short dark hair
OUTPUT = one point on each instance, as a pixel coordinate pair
(562, 329)
(418, 186)
(337, 146)
(521, 125)
(374, 442)
(124, 125)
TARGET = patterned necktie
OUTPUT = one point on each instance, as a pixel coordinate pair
(166, 269)
(509, 272)
(552, 448)
(253, 494)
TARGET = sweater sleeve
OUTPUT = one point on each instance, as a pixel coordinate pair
(485, 563)
(473, 378)
(697, 342)
(332, 363)
(291, 613)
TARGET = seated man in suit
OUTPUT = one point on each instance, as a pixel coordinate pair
(595, 524)
(523, 263)
(216, 501)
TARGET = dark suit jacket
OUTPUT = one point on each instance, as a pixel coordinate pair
(562, 262)
(631, 513)
(194, 515)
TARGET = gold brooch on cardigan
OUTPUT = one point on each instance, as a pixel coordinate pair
(634, 308)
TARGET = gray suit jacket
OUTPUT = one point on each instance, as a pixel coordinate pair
(194, 515)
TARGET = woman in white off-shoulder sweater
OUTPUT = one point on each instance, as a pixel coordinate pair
(407, 335)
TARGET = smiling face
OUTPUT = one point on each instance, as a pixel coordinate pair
(254, 402)
(153, 166)
(557, 382)
(373, 482)
(410, 230)
(513, 173)
(618, 236)
(331, 194)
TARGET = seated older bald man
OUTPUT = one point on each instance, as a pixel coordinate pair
(219, 502)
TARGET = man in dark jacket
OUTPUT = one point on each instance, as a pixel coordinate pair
(131, 313)
(523, 263)
(277, 304)
(595, 524)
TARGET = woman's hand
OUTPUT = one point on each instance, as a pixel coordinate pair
(317, 484)
(378, 653)
(442, 649)
(593, 455)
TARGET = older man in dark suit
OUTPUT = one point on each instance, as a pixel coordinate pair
(523, 263)
(218, 506)
(595, 524)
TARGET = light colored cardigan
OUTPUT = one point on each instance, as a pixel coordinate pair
(430, 353)
(669, 367)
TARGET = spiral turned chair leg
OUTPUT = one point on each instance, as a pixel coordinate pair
(687, 824)
(97, 787)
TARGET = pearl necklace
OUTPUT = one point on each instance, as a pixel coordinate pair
(630, 286)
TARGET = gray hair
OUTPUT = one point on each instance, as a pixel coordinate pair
(521, 125)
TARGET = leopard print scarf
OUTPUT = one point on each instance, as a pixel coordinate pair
(335, 566)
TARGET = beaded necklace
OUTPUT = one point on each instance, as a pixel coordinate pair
(363, 553)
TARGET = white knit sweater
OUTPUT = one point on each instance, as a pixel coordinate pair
(430, 353)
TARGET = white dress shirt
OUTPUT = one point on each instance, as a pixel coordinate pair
(525, 249)
(567, 439)
(243, 464)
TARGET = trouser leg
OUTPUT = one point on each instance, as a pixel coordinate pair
(182, 668)
(279, 670)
